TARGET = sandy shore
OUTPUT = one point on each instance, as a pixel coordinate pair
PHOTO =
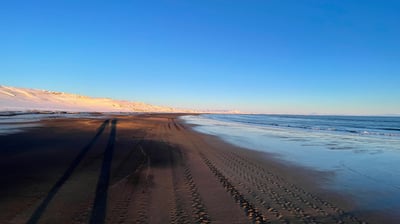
(154, 169)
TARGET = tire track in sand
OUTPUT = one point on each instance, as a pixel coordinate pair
(272, 192)
(124, 190)
(327, 211)
(251, 211)
(143, 197)
(269, 198)
(185, 188)
(288, 196)
(274, 210)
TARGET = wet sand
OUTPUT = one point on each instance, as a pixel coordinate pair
(155, 169)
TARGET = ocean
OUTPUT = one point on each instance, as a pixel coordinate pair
(362, 152)
(14, 122)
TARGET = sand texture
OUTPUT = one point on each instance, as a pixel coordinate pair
(153, 169)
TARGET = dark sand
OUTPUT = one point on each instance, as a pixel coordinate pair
(154, 169)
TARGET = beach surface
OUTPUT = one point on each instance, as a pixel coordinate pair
(153, 168)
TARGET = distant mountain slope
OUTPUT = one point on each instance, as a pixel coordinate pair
(22, 99)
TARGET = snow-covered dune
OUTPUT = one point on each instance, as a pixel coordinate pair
(23, 99)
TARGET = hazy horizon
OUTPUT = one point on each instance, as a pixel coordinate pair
(269, 57)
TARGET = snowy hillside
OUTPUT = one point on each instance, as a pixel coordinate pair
(23, 99)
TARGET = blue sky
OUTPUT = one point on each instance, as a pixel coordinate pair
(269, 56)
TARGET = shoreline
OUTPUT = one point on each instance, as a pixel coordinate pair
(160, 171)
(364, 167)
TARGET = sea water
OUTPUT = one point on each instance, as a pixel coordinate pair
(362, 152)
(14, 122)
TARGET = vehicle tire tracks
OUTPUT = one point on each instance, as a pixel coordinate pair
(274, 184)
(186, 188)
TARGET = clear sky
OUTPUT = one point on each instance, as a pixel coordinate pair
(267, 56)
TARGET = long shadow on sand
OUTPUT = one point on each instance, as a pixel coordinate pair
(159, 154)
(42, 207)
(100, 202)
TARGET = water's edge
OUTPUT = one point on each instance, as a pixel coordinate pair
(365, 165)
